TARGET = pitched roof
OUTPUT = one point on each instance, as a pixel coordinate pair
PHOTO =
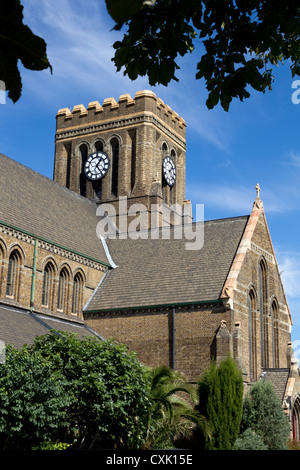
(278, 378)
(19, 326)
(153, 272)
(37, 205)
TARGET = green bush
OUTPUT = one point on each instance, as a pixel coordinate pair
(107, 388)
(66, 390)
(249, 440)
(32, 400)
(263, 413)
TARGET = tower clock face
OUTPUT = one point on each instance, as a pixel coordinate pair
(169, 171)
(96, 165)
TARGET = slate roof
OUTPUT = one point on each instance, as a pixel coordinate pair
(278, 378)
(34, 203)
(153, 272)
(19, 326)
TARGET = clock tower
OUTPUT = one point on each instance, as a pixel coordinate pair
(133, 150)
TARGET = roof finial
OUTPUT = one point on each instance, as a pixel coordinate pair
(257, 187)
(258, 204)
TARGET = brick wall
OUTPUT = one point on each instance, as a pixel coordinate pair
(24, 245)
(154, 336)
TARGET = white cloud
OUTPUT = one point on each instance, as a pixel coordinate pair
(236, 199)
(79, 47)
(289, 266)
(293, 159)
(239, 198)
(296, 349)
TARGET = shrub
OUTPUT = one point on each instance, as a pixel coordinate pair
(263, 413)
(107, 387)
(249, 440)
(32, 400)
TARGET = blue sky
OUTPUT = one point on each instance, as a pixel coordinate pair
(257, 141)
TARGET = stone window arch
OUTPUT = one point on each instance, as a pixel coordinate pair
(99, 145)
(173, 154)
(166, 190)
(296, 418)
(275, 331)
(173, 188)
(115, 151)
(63, 290)
(264, 320)
(77, 296)
(48, 285)
(97, 185)
(13, 274)
(252, 313)
(83, 154)
(2, 258)
(164, 149)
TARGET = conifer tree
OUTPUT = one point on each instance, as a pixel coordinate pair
(221, 402)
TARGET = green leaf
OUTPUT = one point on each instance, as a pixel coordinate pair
(122, 10)
(18, 42)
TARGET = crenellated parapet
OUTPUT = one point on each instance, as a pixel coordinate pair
(145, 107)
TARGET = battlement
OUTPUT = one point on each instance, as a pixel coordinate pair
(144, 103)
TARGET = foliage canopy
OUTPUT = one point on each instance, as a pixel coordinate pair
(32, 400)
(241, 42)
(107, 387)
(17, 42)
(79, 391)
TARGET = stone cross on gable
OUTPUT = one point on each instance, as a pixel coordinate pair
(257, 190)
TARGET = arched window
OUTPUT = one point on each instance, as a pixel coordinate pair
(165, 187)
(252, 335)
(296, 418)
(115, 166)
(1, 262)
(164, 149)
(99, 145)
(132, 135)
(172, 188)
(275, 325)
(63, 284)
(264, 314)
(13, 274)
(77, 294)
(83, 150)
(48, 285)
(97, 185)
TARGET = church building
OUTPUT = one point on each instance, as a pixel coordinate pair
(109, 248)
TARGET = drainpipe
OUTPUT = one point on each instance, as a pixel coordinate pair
(33, 276)
(173, 340)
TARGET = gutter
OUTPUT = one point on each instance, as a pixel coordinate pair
(173, 305)
(54, 244)
(173, 340)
